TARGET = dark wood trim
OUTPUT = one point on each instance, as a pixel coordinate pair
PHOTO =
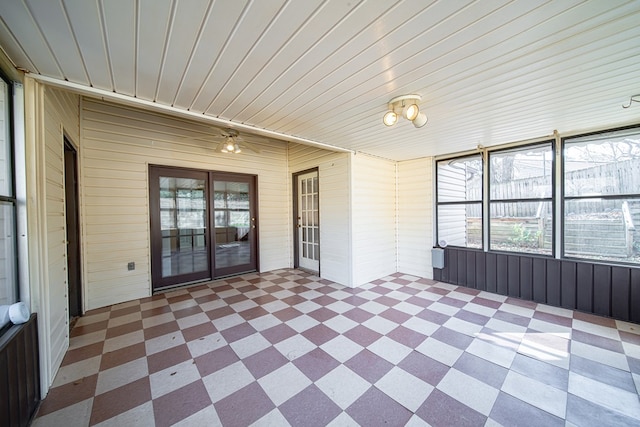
(19, 374)
(606, 290)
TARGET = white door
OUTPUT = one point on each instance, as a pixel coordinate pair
(308, 222)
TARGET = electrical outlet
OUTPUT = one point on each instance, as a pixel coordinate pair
(131, 266)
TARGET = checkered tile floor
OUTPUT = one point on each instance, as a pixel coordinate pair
(287, 348)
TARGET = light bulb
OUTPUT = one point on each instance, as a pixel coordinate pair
(390, 118)
(410, 112)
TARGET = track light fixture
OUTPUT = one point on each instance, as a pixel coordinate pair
(407, 107)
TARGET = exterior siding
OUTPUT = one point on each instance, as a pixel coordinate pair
(415, 217)
(118, 145)
(374, 218)
(335, 230)
(61, 115)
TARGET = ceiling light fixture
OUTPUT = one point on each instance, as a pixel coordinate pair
(230, 146)
(407, 106)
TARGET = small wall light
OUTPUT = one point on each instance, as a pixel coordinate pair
(407, 106)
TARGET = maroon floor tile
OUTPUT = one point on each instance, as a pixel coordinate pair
(442, 410)
(324, 300)
(218, 313)
(108, 405)
(186, 312)
(420, 302)
(400, 281)
(468, 291)
(206, 298)
(124, 311)
(236, 333)
(322, 314)
(316, 364)
(122, 355)
(264, 362)
(380, 290)
(68, 394)
(438, 291)
(581, 412)
(453, 302)
(406, 336)
(522, 303)
(427, 369)
(309, 408)
(156, 311)
(162, 329)
(453, 338)
(215, 360)
(294, 299)
(244, 407)
(87, 329)
(630, 337)
(178, 298)
(235, 299)
(319, 334)
(486, 302)
(433, 316)
(278, 333)
(362, 335)
(481, 369)
(355, 300)
(603, 373)
(553, 318)
(253, 313)
(541, 371)
(287, 314)
(169, 357)
(512, 318)
(83, 353)
(597, 341)
(264, 299)
(180, 404)
(597, 320)
(358, 315)
(127, 328)
(374, 408)
(396, 316)
(471, 317)
(369, 366)
(198, 331)
(509, 411)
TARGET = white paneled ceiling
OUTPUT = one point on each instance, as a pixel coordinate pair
(489, 71)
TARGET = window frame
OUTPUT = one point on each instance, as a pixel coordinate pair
(564, 198)
(479, 202)
(11, 199)
(551, 199)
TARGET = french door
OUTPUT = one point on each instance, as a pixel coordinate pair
(203, 225)
(308, 221)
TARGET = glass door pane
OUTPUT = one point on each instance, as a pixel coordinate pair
(234, 224)
(179, 227)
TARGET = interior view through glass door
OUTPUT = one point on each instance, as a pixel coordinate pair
(203, 225)
(234, 223)
(179, 224)
(308, 222)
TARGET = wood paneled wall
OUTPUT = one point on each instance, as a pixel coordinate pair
(19, 374)
(605, 290)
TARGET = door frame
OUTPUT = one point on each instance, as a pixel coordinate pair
(73, 245)
(155, 252)
(253, 203)
(296, 230)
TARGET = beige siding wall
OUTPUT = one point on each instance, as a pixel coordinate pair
(415, 217)
(61, 115)
(374, 218)
(118, 144)
(335, 212)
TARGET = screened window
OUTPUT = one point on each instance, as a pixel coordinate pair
(602, 196)
(521, 199)
(459, 205)
(8, 269)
